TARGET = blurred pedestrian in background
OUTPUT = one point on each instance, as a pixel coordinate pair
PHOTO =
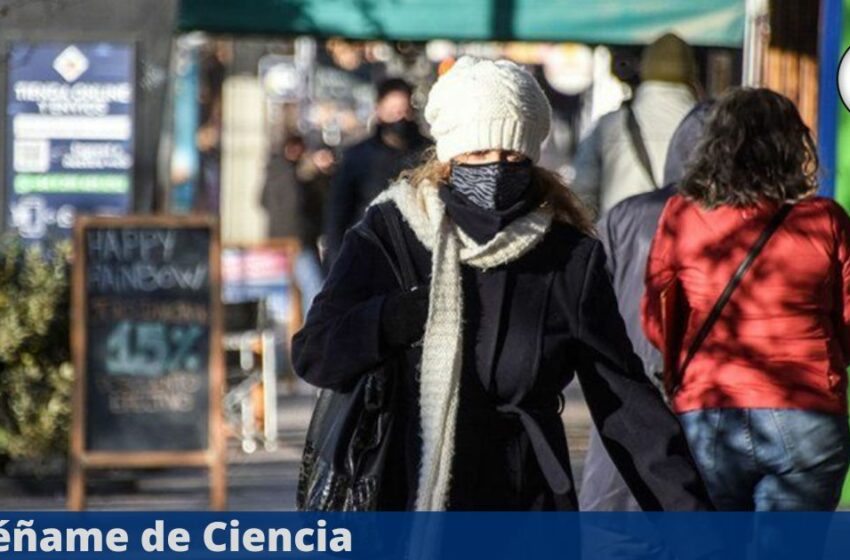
(368, 167)
(294, 193)
(626, 232)
(314, 177)
(314, 174)
(514, 299)
(280, 194)
(624, 154)
(764, 398)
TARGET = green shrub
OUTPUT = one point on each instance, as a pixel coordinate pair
(36, 374)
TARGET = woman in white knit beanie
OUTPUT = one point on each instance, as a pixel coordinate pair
(513, 302)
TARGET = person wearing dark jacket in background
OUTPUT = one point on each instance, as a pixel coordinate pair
(293, 196)
(368, 167)
(281, 189)
(314, 176)
(626, 231)
(514, 301)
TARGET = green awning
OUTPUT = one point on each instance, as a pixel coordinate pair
(701, 22)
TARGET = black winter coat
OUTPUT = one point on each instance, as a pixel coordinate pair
(366, 169)
(529, 328)
(280, 197)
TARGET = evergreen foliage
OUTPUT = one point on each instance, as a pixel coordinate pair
(36, 374)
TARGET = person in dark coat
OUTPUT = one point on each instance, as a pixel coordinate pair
(281, 194)
(368, 167)
(293, 196)
(626, 232)
(314, 177)
(314, 182)
(514, 302)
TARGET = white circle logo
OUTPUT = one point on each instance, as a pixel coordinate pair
(844, 79)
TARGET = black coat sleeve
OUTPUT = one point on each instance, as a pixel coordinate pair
(341, 337)
(641, 434)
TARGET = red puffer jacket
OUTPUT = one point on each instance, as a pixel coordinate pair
(783, 341)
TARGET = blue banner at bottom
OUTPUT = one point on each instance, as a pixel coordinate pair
(426, 536)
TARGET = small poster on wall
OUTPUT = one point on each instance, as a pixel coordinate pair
(260, 273)
(69, 134)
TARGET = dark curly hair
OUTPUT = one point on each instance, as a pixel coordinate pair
(755, 147)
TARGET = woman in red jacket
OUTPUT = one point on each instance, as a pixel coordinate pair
(764, 399)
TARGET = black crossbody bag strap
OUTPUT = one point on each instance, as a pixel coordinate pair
(363, 231)
(402, 265)
(638, 143)
(402, 253)
(745, 265)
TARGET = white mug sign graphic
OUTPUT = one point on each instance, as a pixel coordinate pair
(844, 79)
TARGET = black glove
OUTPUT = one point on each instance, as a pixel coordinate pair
(403, 317)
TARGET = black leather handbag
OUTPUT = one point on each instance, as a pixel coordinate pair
(348, 438)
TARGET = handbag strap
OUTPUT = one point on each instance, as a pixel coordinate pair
(405, 261)
(734, 282)
(638, 143)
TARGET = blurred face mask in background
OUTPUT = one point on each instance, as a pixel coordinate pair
(402, 127)
(403, 130)
(492, 186)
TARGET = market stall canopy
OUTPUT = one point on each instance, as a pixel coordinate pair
(701, 22)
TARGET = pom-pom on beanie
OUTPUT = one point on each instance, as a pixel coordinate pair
(484, 104)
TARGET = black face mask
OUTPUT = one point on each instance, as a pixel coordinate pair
(492, 186)
(403, 129)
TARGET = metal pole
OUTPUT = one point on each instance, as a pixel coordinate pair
(269, 367)
(756, 37)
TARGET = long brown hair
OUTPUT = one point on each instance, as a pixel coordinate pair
(553, 190)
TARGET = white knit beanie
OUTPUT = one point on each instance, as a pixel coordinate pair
(484, 104)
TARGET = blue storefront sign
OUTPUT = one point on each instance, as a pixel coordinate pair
(69, 134)
(185, 159)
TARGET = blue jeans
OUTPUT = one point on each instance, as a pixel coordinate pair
(769, 459)
(309, 277)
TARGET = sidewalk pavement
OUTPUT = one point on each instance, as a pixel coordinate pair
(263, 480)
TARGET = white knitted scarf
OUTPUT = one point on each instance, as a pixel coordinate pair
(439, 382)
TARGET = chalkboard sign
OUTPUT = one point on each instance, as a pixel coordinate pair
(147, 343)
